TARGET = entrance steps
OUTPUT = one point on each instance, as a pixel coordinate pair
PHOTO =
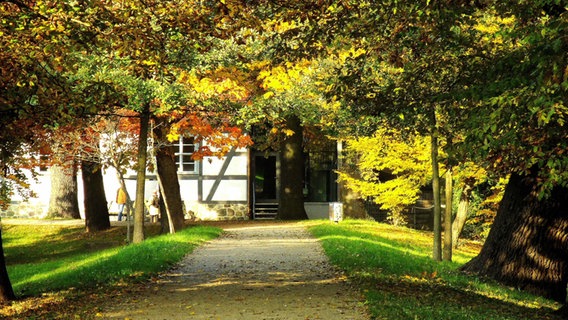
(265, 210)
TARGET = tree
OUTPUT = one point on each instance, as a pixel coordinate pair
(525, 136)
(63, 198)
(6, 290)
(138, 235)
(291, 205)
(403, 72)
(528, 243)
(213, 131)
(167, 172)
(390, 167)
(115, 148)
(285, 108)
(467, 178)
(448, 230)
(33, 92)
(96, 210)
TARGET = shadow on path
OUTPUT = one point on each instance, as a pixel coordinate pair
(267, 271)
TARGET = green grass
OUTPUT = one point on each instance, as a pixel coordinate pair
(45, 258)
(393, 267)
(34, 243)
(400, 280)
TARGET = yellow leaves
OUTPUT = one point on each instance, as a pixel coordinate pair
(485, 28)
(350, 53)
(149, 62)
(281, 26)
(268, 95)
(288, 132)
(285, 26)
(285, 131)
(490, 26)
(390, 169)
(173, 136)
(494, 24)
(284, 78)
(226, 84)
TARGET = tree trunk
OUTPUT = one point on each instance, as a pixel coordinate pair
(527, 246)
(437, 224)
(6, 290)
(291, 206)
(448, 216)
(63, 200)
(138, 233)
(169, 187)
(461, 215)
(96, 209)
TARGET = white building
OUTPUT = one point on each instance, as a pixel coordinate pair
(240, 186)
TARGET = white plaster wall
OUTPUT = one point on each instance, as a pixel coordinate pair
(188, 190)
(237, 166)
(228, 190)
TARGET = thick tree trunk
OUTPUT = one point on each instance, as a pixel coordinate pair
(138, 233)
(169, 188)
(6, 291)
(527, 246)
(96, 209)
(291, 206)
(63, 201)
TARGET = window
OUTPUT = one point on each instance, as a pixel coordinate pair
(184, 148)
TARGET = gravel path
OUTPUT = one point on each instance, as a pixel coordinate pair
(274, 271)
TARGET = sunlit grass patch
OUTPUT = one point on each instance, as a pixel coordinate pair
(105, 266)
(33, 243)
(402, 281)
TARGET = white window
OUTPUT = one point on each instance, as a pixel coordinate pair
(184, 149)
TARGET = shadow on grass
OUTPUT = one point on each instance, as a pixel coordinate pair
(430, 300)
(41, 243)
(401, 281)
(90, 269)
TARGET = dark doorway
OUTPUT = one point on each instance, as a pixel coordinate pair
(265, 186)
(265, 178)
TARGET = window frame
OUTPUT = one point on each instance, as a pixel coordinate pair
(181, 154)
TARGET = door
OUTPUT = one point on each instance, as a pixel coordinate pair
(265, 178)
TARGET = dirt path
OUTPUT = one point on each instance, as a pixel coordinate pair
(251, 272)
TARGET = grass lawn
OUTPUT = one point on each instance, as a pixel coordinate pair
(63, 270)
(54, 263)
(394, 268)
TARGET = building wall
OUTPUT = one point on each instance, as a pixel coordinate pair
(218, 192)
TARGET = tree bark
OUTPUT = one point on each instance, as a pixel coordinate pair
(461, 215)
(63, 200)
(527, 246)
(138, 232)
(96, 210)
(169, 187)
(448, 216)
(6, 290)
(291, 206)
(437, 224)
